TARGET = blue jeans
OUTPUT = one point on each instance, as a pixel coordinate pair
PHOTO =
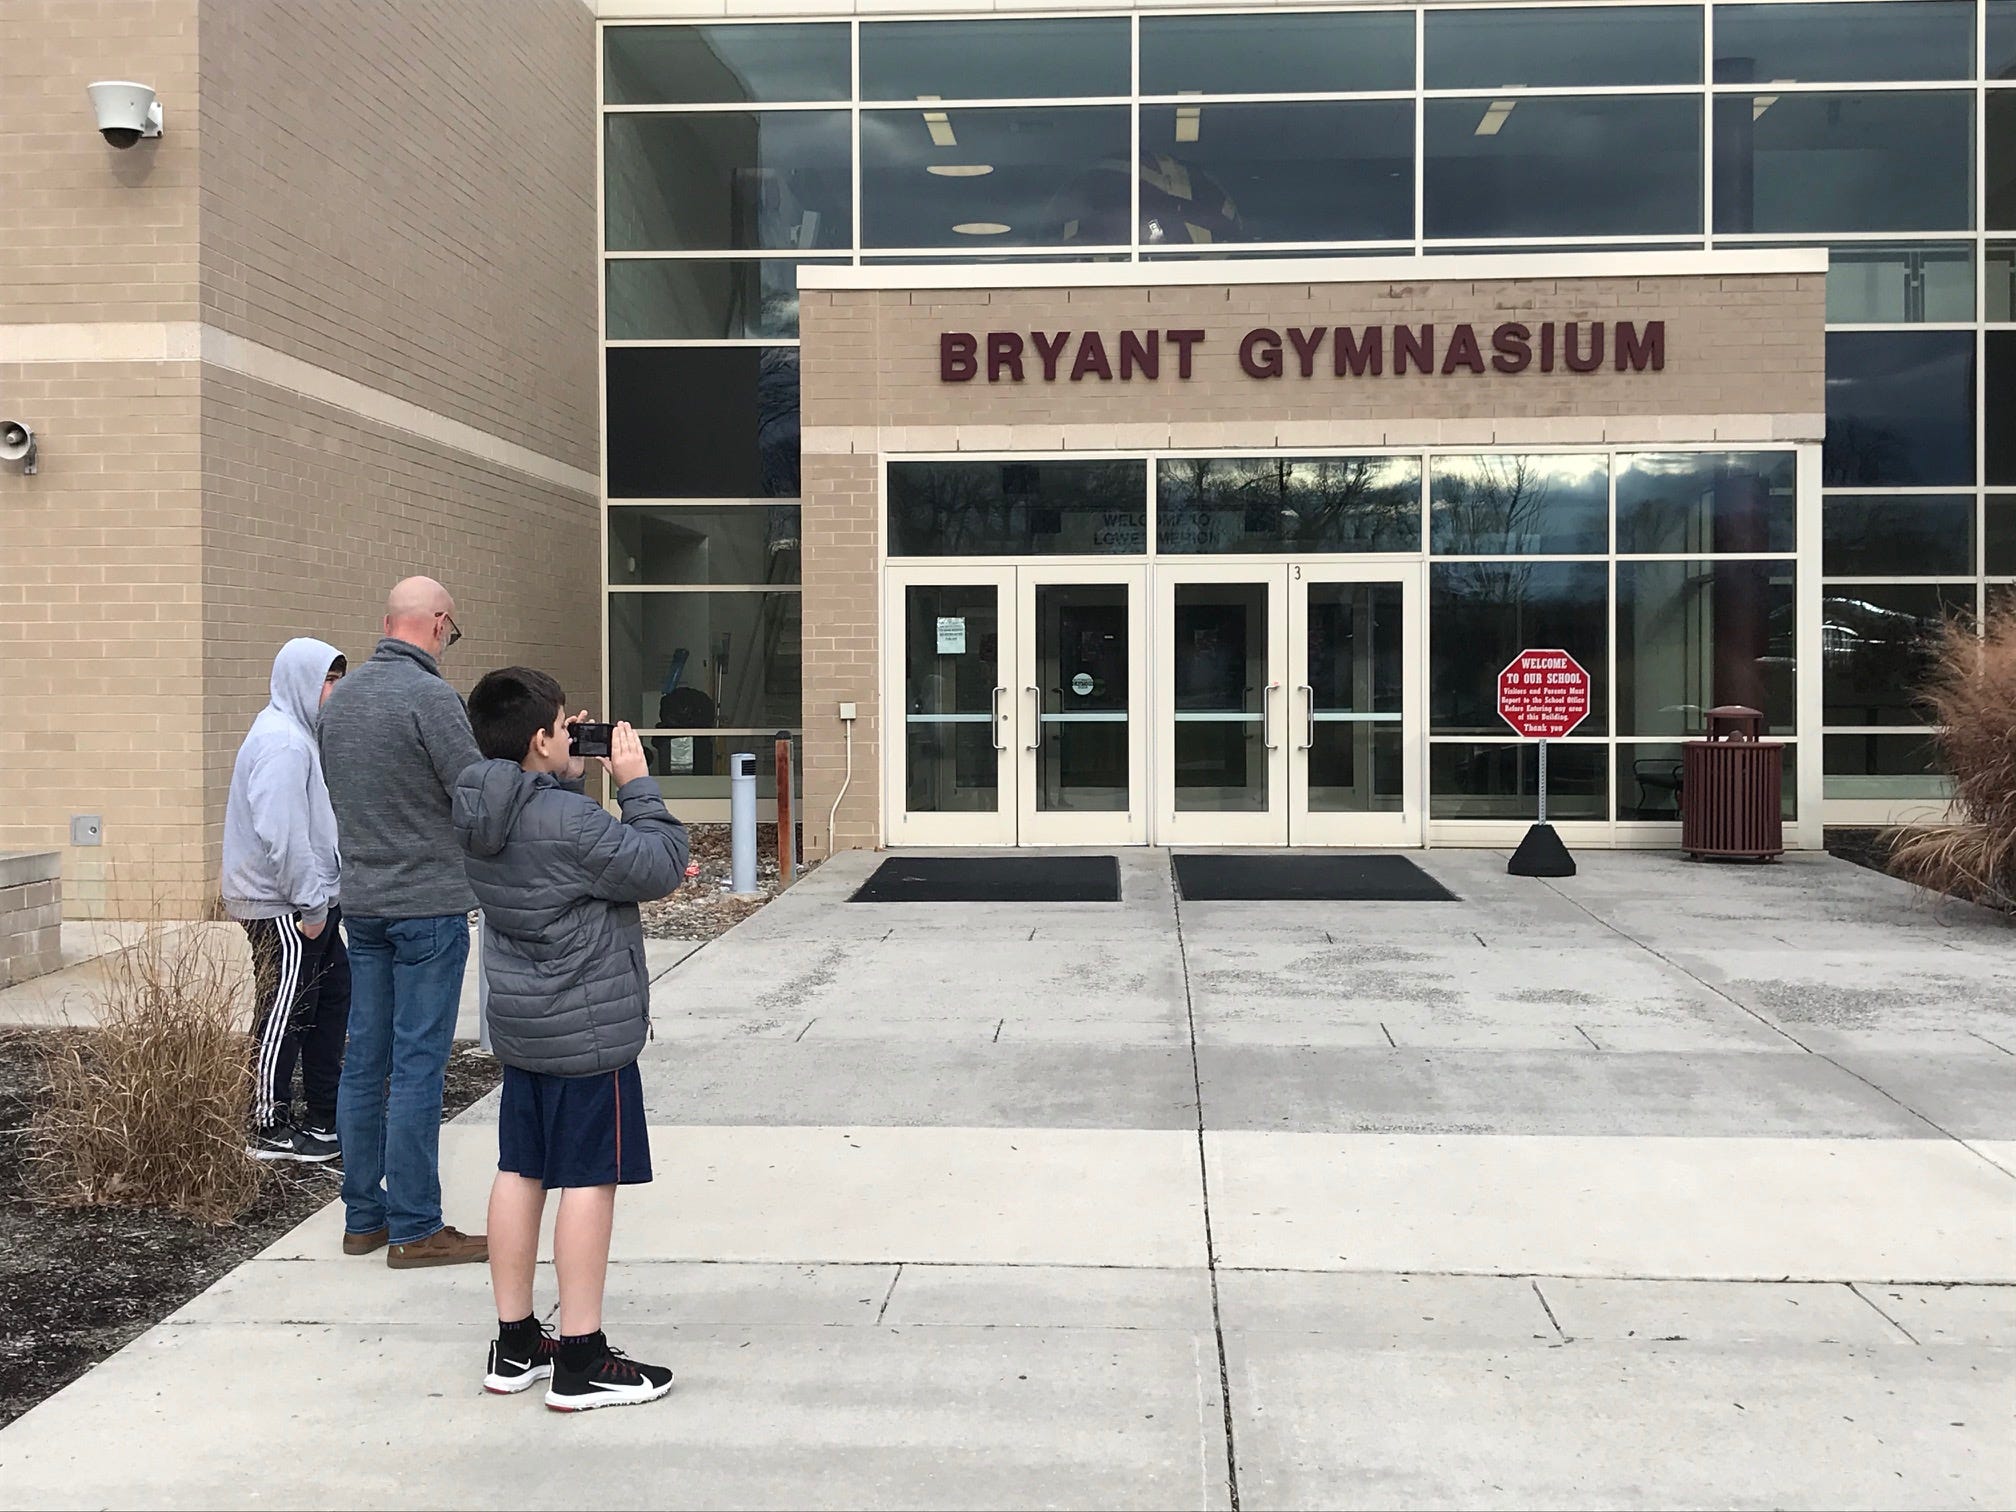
(405, 984)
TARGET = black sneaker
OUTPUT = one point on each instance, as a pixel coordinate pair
(614, 1380)
(282, 1141)
(508, 1373)
(316, 1143)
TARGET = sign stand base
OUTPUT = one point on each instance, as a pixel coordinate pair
(1541, 854)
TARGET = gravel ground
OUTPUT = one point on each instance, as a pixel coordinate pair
(703, 908)
(79, 1284)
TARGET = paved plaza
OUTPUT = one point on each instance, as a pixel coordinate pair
(1664, 1185)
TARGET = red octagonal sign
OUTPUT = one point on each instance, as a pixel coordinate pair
(1543, 694)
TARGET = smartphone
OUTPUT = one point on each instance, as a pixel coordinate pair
(591, 739)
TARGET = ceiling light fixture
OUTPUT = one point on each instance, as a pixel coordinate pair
(1494, 117)
(1189, 119)
(1763, 103)
(939, 125)
(959, 170)
(981, 228)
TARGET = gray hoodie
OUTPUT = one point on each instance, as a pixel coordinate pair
(279, 831)
(559, 882)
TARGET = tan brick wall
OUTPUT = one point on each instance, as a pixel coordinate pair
(101, 635)
(310, 514)
(405, 193)
(1744, 359)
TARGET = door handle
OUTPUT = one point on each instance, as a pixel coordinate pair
(1267, 717)
(995, 705)
(1036, 728)
(1308, 714)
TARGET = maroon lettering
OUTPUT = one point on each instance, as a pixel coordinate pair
(1050, 351)
(1513, 344)
(1579, 362)
(1358, 355)
(1463, 352)
(1305, 344)
(1183, 341)
(1260, 353)
(1417, 346)
(958, 353)
(1091, 358)
(1547, 346)
(1140, 354)
(1641, 352)
(1004, 353)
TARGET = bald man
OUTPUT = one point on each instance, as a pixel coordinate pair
(394, 738)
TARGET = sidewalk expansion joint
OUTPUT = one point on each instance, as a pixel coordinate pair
(1881, 1313)
(887, 1296)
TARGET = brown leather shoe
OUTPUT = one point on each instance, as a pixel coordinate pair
(364, 1244)
(446, 1246)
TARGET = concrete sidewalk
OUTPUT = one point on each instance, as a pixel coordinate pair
(1663, 1185)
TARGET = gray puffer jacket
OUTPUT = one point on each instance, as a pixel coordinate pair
(559, 882)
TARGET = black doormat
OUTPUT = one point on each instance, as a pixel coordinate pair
(1352, 879)
(993, 879)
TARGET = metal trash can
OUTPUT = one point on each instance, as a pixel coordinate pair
(1731, 785)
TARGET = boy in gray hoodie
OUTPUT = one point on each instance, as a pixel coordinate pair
(280, 883)
(559, 881)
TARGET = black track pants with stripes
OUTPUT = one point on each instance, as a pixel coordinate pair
(303, 988)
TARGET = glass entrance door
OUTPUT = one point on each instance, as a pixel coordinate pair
(1355, 754)
(1021, 721)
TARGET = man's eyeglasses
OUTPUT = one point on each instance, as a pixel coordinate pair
(454, 630)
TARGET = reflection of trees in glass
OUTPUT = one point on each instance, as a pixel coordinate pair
(996, 508)
(777, 421)
(1315, 504)
(1491, 504)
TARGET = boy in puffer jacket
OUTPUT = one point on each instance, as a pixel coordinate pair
(559, 882)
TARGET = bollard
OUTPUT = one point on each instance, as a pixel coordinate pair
(787, 823)
(742, 823)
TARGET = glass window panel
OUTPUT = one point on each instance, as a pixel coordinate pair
(951, 667)
(1274, 504)
(1875, 637)
(1900, 283)
(1550, 166)
(1900, 409)
(2000, 208)
(1483, 614)
(705, 661)
(995, 60)
(1339, 171)
(1490, 49)
(1999, 543)
(1083, 748)
(1650, 786)
(1356, 638)
(772, 180)
(1507, 504)
(725, 65)
(703, 422)
(1706, 501)
(2001, 293)
(1897, 535)
(682, 543)
(1018, 508)
(1220, 643)
(690, 768)
(689, 299)
(1823, 44)
(1039, 177)
(2001, 406)
(1899, 160)
(1472, 780)
(1692, 636)
(1884, 767)
(2001, 59)
(1332, 53)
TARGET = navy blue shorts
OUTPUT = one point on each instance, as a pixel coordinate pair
(574, 1131)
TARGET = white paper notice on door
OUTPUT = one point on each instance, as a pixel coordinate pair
(951, 636)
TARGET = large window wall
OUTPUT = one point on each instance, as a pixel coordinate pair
(1884, 130)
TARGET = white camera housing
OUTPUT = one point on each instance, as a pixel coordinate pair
(17, 443)
(126, 111)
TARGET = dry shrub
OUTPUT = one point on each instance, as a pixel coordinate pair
(1971, 694)
(148, 1108)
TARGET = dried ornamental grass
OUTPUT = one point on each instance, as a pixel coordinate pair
(148, 1108)
(1971, 695)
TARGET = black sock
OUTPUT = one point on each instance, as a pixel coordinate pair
(579, 1351)
(524, 1331)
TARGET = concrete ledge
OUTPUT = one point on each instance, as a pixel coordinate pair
(31, 915)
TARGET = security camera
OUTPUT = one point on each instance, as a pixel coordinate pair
(17, 444)
(126, 111)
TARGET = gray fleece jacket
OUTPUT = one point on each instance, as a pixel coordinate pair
(279, 833)
(394, 739)
(559, 881)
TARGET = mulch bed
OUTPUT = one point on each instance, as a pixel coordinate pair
(79, 1284)
(703, 908)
